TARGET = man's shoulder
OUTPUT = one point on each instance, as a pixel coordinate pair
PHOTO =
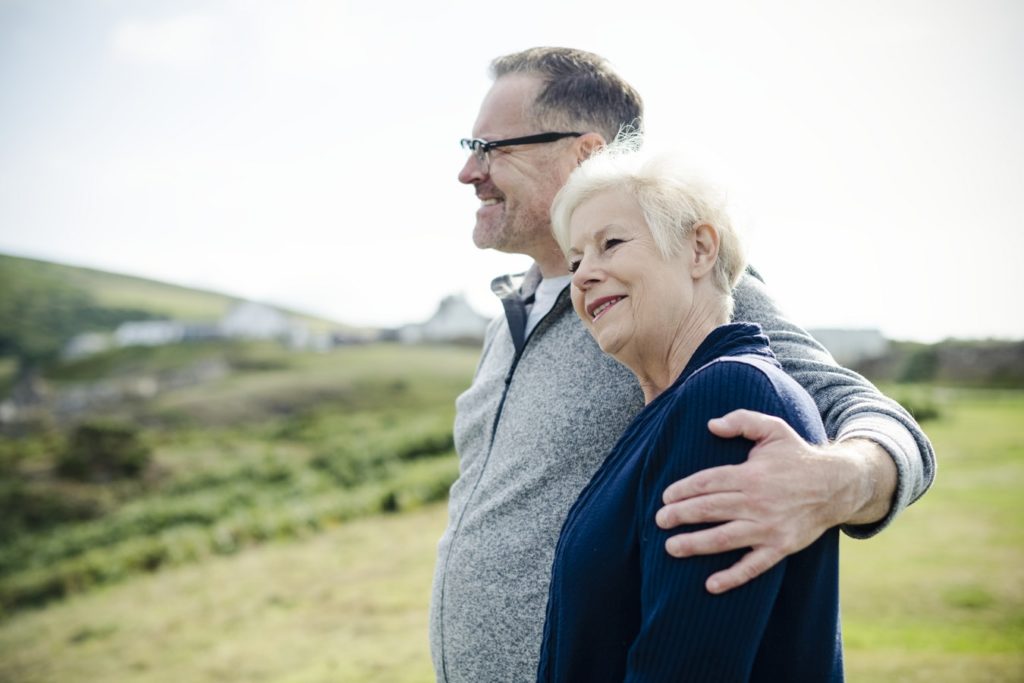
(750, 296)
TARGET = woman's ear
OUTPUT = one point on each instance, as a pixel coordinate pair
(705, 241)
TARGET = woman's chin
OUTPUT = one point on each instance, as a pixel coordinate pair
(610, 345)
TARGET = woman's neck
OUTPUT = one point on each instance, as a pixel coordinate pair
(657, 369)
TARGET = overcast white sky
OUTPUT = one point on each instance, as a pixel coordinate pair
(305, 152)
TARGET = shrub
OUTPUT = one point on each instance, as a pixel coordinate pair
(922, 409)
(921, 365)
(921, 404)
(34, 507)
(101, 451)
(10, 458)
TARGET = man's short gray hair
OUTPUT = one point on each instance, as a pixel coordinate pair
(672, 198)
(580, 90)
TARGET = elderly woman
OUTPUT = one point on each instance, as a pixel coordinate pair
(654, 258)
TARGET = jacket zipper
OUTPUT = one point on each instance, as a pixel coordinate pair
(483, 468)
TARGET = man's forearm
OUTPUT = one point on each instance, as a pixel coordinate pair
(852, 409)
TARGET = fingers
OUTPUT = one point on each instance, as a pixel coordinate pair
(721, 507)
(753, 564)
(719, 539)
(748, 424)
(714, 480)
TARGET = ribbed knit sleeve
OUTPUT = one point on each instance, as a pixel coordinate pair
(687, 633)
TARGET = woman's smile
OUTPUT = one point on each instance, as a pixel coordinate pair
(599, 307)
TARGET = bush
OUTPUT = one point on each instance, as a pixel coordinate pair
(101, 451)
(10, 458)
(921, 365)
(923, 401)
(33, 507)
(922, 408)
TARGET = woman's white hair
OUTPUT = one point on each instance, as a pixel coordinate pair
(672, 198)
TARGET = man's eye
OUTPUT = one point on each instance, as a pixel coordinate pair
(574, 266)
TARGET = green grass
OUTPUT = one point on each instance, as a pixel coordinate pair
(348, 378)
(938, 597)
(8, 369)
(303, 443)
(346, 605)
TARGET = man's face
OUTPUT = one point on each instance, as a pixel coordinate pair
(517, 190)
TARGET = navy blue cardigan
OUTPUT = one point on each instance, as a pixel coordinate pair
(620, 608)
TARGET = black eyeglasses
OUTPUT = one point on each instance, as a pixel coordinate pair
(480, 148)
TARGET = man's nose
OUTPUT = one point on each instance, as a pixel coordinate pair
(472, 171)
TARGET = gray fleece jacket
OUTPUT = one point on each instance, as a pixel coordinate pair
(536, 423)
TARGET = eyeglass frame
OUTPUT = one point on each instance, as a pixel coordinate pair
(480, 147)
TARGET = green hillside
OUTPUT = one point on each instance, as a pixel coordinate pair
(161, 299)
(112, 290)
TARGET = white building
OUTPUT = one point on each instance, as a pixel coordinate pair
(149, 333)
(251, 320)
(454, 321)
(86, 344)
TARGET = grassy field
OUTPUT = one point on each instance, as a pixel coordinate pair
(939, 597)
(282, 446)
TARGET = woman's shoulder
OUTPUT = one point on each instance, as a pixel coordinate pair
(749, 372)
(751, 368)
(750, 382)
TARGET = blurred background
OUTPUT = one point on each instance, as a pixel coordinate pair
(295, 152)
(238, 295)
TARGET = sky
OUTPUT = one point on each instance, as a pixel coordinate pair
(305, 153)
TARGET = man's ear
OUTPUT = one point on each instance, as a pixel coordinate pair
(705, 241)
(586, 145)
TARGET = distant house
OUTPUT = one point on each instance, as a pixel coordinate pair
(86, 344)
(454, 321)
(243, 320)
(149, 333)
(849, 347)
(201, 331)
(301, 337)
(251, 320)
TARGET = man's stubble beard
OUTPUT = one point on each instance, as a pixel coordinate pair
(517, 232)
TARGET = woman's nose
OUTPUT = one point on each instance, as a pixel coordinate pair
(586, 274)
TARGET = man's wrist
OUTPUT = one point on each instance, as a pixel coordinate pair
(871, 479)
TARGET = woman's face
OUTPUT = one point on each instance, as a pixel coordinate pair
(631, 298)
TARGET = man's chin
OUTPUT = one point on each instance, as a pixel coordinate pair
(486, 238)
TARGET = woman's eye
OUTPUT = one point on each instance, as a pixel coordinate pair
(612, 242)
(574, 266)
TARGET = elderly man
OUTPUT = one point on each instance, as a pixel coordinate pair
(546, 405)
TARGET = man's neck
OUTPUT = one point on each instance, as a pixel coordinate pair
(552, 263)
